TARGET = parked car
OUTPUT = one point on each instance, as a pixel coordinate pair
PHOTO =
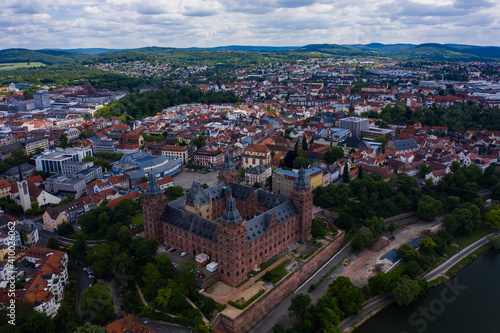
(182, 254)
(172, 250)
(174, 264)
(91, 276)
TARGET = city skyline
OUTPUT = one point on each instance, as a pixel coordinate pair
(123, 24)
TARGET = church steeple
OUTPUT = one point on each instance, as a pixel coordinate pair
(231, 214)
(227, 173)
(351, 107)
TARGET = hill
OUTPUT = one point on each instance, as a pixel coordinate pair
(49, 57)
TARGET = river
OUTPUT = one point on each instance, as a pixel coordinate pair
(468, 303)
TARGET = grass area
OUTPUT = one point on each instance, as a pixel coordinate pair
(17, 65)
(308, 254)
(277, 273)
(241, 306)
(264, 265)
(436, 282)
(241, 283)
(138, 219)
(464, 241)
(467, 260)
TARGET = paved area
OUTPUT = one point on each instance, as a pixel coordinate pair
(82, 282)
(185, 178)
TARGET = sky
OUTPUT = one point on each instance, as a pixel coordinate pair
(121, 24)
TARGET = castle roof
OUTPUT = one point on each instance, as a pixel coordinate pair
(301, 181)
(231, 214)
(227, 164)
(153, 188)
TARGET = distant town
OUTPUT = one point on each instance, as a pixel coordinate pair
(179, 218)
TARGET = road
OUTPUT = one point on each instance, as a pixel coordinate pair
(44, 236)
(82, 283)
(441, 269)
(280, 313)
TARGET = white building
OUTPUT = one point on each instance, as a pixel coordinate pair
(52, 161)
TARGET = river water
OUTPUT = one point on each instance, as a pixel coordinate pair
(468, 303)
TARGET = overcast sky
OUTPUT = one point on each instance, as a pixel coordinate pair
(36, 24)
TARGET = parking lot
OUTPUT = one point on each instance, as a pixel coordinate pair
(177, 259)
(185, 178)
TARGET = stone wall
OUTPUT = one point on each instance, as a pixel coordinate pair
(400, 216)
(263, 306)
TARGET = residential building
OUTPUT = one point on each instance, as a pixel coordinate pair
(55, 216)
(257, 174)
(401, 147)
(27, 170)
(32, 145)
(355, 125)
(176, 151)
(209, 158)
(4, 188)
(255, 155)
(104, 145)
(283, 180)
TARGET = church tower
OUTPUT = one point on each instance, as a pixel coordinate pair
(227, 173)
(351, 107)
(302, 197)
(231, 239)
(153, 206)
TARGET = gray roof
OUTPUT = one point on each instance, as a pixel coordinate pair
(197, 195)
(257, 226)
(191, 223)
(257, 170)
(405, 144)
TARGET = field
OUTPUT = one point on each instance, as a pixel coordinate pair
(17, 65)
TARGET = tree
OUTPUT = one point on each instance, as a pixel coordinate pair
(406, 291)
(64, 142)
(144, 249)
(269, 182)
(376, 224)
(174, 191)
(256, 185)
(96, 304)
(152, 281)
(279, 328)
(427, 244)
(299, 305)
(80, 248)
(495, 242)
(380, 284)
(424, 169)
(383, 124)
(455, 165)
(349, 297)
(187, 273)
(19, 155)
(332, 155)
(65, 229)
(412, 269)
(304, 143)
(429, 208)
(407, 253)
(299, 162)
(345, 174)
(362, 238)
(89, 328)
(392, 227)
(360, 172)
(53, 243)
(35, 321)
(318, 230)
(450, 224)
(164, 265)
(493, 219)
(101, 256)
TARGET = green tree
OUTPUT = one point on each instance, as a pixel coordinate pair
(304, 143)
(299, 162)
(89, 328)
(362, 238)
(187, 273)
(380, 284)
(64, 142)
(96, 305)
(392, 227)
(429, 208)
(376, 224)
(164, 265)
(318, 230)
(360, 172)
(406, 291)
(455, 165)
(345, 174)
(152, 281)
(53, 243)
(407, 253)
(35, 321)
(495, 242)
(349, 297)
(412, 269)
(424, 169)
(493, 219)
(80, 248)
(256, 185)
(299, 306)
(279, 328)
(144, 250)
(174, 191)
(427, 244)
(332, 155)
(383, 124)
(65, 229)
(100, 256)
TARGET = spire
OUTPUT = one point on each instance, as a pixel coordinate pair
(153, 188)
(301, 181)
(231, 214)
(20, 171)
(227, 164)
(351, 107)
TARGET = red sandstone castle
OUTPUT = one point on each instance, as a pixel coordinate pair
(238, 226)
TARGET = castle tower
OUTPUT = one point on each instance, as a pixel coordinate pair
(227, 173)
(153, 206)
(231, 239)
(351, 107)
(303, 198)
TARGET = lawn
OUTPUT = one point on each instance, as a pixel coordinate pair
(17, 65)
(138, 220)
(464, 241)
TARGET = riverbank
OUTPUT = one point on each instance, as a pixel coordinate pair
(436, 277)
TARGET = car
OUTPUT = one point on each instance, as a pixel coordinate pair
(422, 183)
(182, 254)
(91, 276)
(90, 285)
(85, 269)
(172, 250)
(174, 264)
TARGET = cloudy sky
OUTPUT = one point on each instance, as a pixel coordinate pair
(36, 24)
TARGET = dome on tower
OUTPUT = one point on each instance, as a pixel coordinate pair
(231, 214)
(153, 188)
(301, 181)
(227, 164)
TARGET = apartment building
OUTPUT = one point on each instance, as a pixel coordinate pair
(176, 151)
(283, 180)
(255, 155)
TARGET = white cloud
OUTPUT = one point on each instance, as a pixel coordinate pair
(38, 24)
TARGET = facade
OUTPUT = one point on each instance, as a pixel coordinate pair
(74, 167)
(41, 99)
(104, 145)
(53, 161)
(31, 145)
(54, 217)
(355, 125)
(27, 171)
(401, 147)
(255, 155)
(283, 180)
(228, 173)
(66, 185)
(237, 226)
(176, 151)
(4, 188)
(257, 174)
(209, 158)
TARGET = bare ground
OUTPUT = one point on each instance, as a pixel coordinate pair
(368, 262)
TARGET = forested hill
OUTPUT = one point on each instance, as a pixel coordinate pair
(238, 55)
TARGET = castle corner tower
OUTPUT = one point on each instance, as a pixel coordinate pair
(227, 173)
(302, 197)
(153, 206)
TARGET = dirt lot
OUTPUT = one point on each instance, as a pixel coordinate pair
(186, 178)
(368, 262)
